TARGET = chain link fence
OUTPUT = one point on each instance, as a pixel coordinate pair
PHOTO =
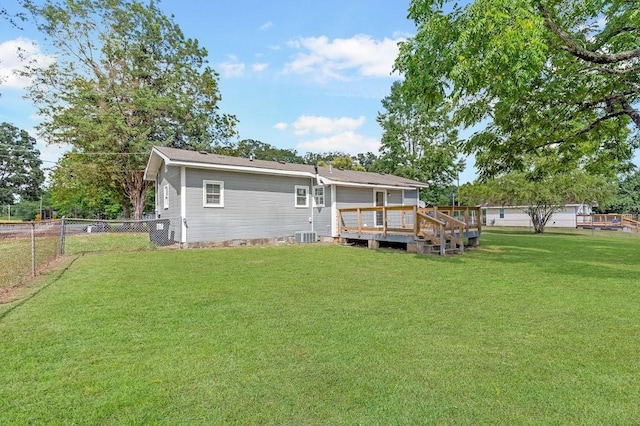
(27, 247)
(85, 235)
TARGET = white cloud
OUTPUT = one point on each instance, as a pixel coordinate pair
(324, 125)
(343, 59)
(281, 126)
(349, 142)
(231, 68)
(259, 66)
(266, 26)
(15, 54)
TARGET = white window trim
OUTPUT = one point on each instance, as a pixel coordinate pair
(324, 193)
(204, 193)
(295, 196)
(165, 197)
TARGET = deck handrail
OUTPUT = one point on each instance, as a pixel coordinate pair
(431, 223)
(453, 228)
(608, 220)
(437, 237)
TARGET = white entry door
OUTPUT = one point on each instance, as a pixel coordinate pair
(379, 199)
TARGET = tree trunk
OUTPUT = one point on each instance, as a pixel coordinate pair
(126, 209)
(136, 190)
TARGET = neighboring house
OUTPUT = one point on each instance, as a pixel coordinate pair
(517, 216)
(220, 198)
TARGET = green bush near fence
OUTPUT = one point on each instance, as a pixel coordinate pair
(527, 329)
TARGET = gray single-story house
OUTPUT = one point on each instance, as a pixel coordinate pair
(215, 198)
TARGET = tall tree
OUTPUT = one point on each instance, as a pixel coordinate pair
(126, 78)
(20, 165)
(418, 142)
(548, 77)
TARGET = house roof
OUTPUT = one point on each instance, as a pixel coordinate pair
(326, 175)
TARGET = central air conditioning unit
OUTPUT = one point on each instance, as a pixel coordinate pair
(306, 237)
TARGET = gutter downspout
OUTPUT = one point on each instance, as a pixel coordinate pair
(312, 204)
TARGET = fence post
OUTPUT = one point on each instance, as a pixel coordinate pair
(62, 232)
(33, 249)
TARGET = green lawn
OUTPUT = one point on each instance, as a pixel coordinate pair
(527, 329)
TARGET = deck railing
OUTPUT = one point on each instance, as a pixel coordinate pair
(436, 224)
(608, 220)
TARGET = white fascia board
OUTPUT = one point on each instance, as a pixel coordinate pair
(326, 181)
(243, 169)
(154, 161)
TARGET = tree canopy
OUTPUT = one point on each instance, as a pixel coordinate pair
(419, 143)
(77, 189)
(259, 150)
(20, 165)
(125, 78)
(627, 199)
(546, 77)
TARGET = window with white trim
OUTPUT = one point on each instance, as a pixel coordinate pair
(165, 197)
(318, 196)
(213, 193)
(301, 196)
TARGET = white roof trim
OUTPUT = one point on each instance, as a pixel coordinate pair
(146, 170)
(326, 181)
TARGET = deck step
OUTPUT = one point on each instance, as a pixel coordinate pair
(435, 249)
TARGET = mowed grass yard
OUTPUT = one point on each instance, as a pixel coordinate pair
(526, 329)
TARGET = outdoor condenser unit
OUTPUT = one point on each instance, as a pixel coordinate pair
(306, 237)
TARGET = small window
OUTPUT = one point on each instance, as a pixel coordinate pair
(302, 196)
(213, 193)
(318, 196)
(165, 197)
(501, 213)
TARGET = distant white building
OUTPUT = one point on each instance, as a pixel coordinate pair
(517, 216)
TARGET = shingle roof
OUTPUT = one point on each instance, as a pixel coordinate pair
(334, 174)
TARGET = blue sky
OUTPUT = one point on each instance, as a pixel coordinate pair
(303, 75)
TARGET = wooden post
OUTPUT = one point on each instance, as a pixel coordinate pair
(443, 248)
(62, 236)
(359, 222)
(384, 220)
(33, 249)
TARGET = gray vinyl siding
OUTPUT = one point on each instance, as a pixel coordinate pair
(171, 178)
(394, 197)
(356, 197)
(255, 206)
(322, 215)
(411, 197)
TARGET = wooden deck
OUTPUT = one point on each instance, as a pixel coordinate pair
(438, 230)
(613, 221)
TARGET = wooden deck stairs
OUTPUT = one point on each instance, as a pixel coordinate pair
(433, 230)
